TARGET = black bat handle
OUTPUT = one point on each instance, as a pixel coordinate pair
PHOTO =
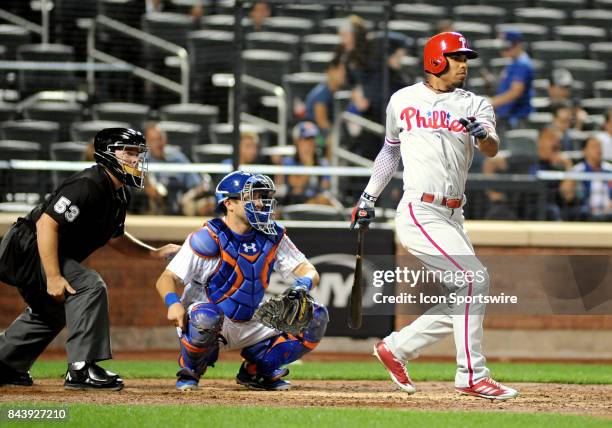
(355, 307)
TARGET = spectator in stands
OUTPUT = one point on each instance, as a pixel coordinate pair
(512, 102)
(445, 25)
(606, 137)
(550, 158)
(258, 14)
(354, 48)
(320, 100)
(367, 144)
(592, 198)
(562, 122)
(165, 189)
(397, 48)
(249, 149)
(560, 93)
(300, 189)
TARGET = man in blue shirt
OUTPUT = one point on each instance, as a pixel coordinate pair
(320, 100)
(513, 100)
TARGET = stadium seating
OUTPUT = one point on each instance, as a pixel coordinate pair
(603, 88)
(600, 18)
(134, 114)
(8, 111)
(530, 32)
(267, 65)
(212, 153)
(482, 13)
(540, 15)
(331, 25)
(68, 151)
(282, 42)
(285, 24)
(33, 80)
(37, 131)
(550, 50)
(199, 114)
(315, 62)
(320, 42)
(86, 131)
(182, 134)
(414, 29)
(29, 182)
(221, 22)
(223, 133)
(64, 113)
(420, 12)
(474, 30)
(13, 36)
(315, 12)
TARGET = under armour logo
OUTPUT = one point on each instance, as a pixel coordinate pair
(249, 248)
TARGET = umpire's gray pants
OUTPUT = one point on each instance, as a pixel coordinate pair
(85, 314)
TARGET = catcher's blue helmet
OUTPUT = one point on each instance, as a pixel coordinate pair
(256, 191)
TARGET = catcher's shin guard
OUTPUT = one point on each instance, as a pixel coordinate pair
(271, 354)
(200, 343)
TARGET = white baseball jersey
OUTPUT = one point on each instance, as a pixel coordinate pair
(437, 152)
(436, 149)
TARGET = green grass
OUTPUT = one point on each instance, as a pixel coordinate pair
(164, 416)
(505, 372)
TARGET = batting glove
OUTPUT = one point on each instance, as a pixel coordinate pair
(363, 213)
(474, 127)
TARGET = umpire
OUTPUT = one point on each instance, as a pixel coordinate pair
(41, 255)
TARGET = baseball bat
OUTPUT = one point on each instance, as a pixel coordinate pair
(354, 321)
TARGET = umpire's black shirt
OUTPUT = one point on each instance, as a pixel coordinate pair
(88, 209)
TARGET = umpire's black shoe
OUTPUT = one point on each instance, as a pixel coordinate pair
(10, 376)
(88, 375)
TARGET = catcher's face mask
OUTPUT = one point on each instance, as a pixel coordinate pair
(257, 197)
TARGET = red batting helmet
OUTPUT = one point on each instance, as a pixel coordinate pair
(440, 45)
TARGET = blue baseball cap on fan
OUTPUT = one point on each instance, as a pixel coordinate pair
(306, 129)
(513, 37)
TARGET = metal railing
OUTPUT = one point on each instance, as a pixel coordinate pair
(30, 26)
(227, 80)
(94, 54)
(341, 171)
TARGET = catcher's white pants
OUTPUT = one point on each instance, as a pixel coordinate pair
(238, 335)
(435, 235)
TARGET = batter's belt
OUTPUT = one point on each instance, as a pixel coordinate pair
(436, 199)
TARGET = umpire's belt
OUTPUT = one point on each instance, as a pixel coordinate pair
(444, 201)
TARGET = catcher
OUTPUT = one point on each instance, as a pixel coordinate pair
(225, 267)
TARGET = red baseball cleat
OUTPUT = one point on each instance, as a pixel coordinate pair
(489, 388)
(396, 368)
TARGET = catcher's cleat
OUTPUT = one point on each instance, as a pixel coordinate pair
(258, 381)
(187, 380)
(9, 376)
(396, 368)
(88, 375)
(489, 388)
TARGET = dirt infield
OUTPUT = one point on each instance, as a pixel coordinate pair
(594, 400)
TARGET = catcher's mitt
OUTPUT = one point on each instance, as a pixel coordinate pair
(290, 312)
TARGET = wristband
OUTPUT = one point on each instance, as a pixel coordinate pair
(303, 282)
(368, 197)
(171, 298)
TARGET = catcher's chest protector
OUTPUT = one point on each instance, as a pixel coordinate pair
(239, 283)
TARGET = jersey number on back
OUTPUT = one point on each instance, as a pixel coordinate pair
(63, 206)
